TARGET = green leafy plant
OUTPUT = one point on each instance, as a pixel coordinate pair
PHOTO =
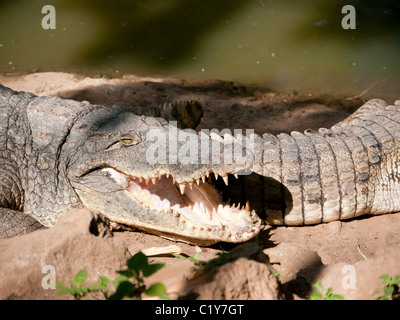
(276, 274)
(130, 282)
(128, 285)
(201, 266)
(223, 258)
(324, 295)
(391, 289)
(78, 290)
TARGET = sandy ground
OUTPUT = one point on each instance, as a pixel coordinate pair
(301, 255)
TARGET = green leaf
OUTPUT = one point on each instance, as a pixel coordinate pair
(336, 297)
(80, 276)
(127, 273)
(157, 290)
(318, 286)
(64, 290)
(124, 288)
(195, 257)
(137, 262)
(152, 268)
(59, 285)
(84, 291)
(74, 283)
(118, 280)
(101, 284)
(103, 281)
(96, 287)
(385, 278)
(315, 296)
(180, 256)
(388, 291)
(376, 292)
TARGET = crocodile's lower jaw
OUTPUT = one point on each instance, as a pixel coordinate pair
(198, 203)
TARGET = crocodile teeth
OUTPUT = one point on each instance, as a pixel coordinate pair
(198, 208)
(235, 175)
(215, 136)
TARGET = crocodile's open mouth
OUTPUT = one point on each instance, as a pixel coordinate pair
(197, 201)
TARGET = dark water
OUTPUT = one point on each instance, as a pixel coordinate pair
(282, 44)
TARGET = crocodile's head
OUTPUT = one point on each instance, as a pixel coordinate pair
(123, 168)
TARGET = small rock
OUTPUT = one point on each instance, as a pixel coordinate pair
(248, 277)
(289, 258)
(242, 279)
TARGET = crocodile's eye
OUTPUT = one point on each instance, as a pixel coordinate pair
(129, 141)
(131, 138)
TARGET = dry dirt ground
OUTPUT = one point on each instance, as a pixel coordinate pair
(347, 256)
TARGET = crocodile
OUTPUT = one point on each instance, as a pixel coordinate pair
(56, 154)
(60, 153)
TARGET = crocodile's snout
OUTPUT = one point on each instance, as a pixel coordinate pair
(197, 202)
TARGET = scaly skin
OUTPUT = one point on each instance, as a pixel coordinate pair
(56, 154)
(349, 170)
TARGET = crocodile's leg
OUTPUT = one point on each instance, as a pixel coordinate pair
(14, 223)
(186, 113)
